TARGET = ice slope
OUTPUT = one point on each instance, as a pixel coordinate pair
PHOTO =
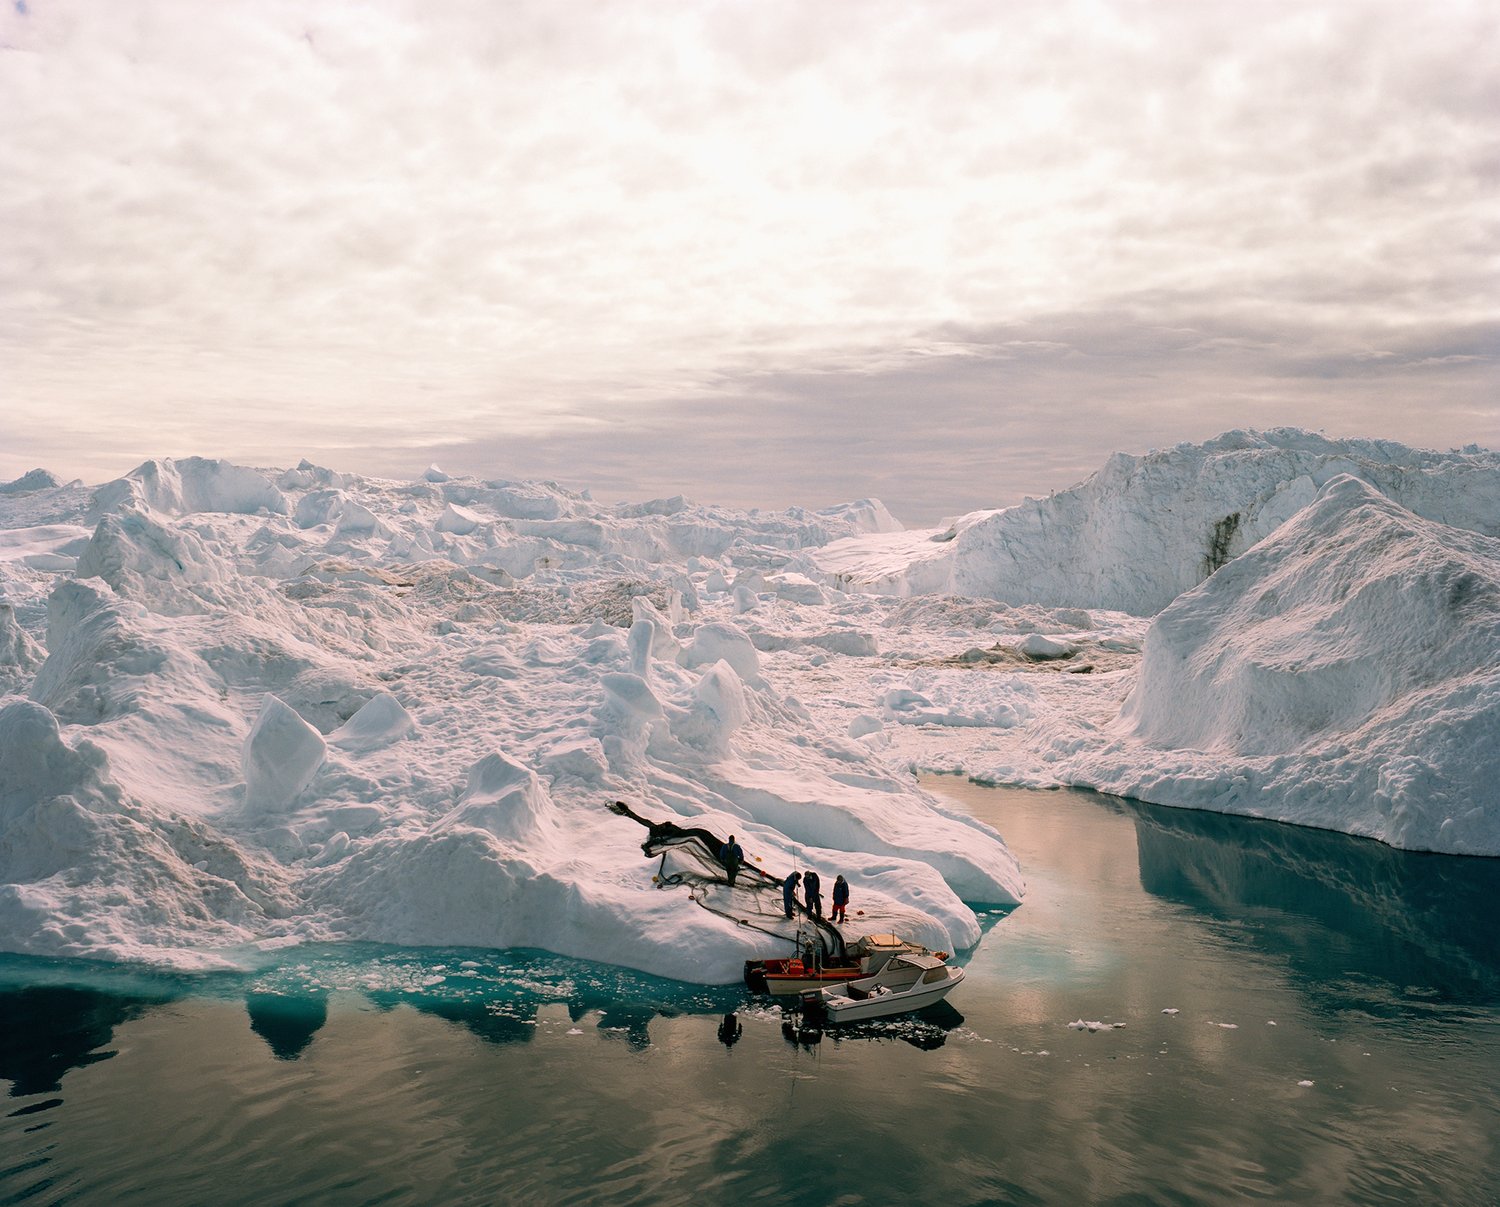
(255, 708)
(1142, 530)
(1343, 673)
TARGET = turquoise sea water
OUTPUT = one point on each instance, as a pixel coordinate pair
(1336, 1038)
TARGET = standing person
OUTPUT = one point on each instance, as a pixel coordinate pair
(812, 887)
(789, 892)
(840, 899)
(731, 856)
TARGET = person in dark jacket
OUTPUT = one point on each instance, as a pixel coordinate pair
(840, 900)
(789, 892)
(812, 888)
(731, 856)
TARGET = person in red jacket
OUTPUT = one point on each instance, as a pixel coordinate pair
(840, 900)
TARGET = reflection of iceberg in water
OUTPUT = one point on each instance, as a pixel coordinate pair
(497, 995)
(1335, 907)
(47, 1030)
(288, 1023)
(494, 1021)
(55, 1015)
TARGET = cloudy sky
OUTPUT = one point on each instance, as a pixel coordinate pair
(947, 253)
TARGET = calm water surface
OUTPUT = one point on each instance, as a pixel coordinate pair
(1336, 1038)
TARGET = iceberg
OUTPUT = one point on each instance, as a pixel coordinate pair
(1344, 673)
(302, 706)
(252, 708)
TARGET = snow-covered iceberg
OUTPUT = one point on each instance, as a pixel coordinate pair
(251, 708)
(1344, 673)
(1142, 530)
(263, 708)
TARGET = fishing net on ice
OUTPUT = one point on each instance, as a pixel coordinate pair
(689, 858)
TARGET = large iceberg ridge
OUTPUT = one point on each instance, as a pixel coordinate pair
(248, 708)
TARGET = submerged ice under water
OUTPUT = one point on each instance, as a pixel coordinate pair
(1284, 1013)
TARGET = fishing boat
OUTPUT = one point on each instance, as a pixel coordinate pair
(787, 977)
(907, 982)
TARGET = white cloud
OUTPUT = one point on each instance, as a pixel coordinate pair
(258, 228)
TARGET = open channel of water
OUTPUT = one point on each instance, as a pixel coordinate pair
(1283, 1015)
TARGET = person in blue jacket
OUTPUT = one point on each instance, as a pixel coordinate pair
(789, 892)
(840, 900)
(731, 856)
(812, 888)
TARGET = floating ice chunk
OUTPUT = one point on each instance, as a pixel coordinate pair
(716, 711)
(672, 506)
(865, 515)
(505, 799)
(494, 661)
(1093, 1025)
(91, 872)
(663, 644)
(903, 699)
(1171, 1010)
(144, 559)
(319, 507)
(642, 636)
(580, 758)
(337, 846)
(357, 519)
(37, 479)
(354, 819)
(18, 649)
(723, 642)
(630, 697)
(1043, 649)
(853, 643)
(35, 763)
(458, 520)
(797, 588)
(191, 485)
(307, 475)
(282, 754)
(1305, 1084)
(380, 721)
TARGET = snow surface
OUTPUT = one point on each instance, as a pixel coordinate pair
(253, 707)
(250, 707)
(1342, 672)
